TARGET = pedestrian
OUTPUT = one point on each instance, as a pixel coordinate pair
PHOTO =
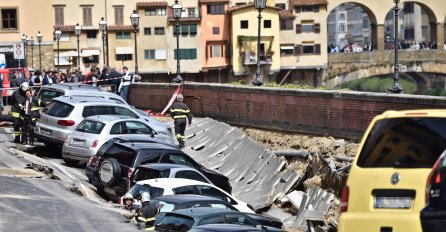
(180, 112)
(16, 80)
(18, 100)
(37, 78)
(29, 115)
(148, 212)
(48, 78)
(126, 80)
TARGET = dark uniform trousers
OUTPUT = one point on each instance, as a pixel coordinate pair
(181, 114)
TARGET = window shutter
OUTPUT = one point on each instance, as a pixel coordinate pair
(59, 16)
(193, 54)
(119, 16)
(297, 9)
(298, 28)
(317, 49)
(317, 28)
(316, 9)
(298, 49)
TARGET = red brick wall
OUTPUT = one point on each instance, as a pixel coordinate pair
(316, 112)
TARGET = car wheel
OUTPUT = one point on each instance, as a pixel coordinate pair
(71, 162)
(109, 172)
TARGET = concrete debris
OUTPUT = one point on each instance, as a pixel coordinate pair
(278, 213)
(293, 153)
(339, 142)
(296, 197)
(49, 172)
(343, 158)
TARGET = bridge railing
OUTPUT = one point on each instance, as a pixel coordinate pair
(374, 57)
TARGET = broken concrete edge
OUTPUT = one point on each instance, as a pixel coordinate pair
(292, 153)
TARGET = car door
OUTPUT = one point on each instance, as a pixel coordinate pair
(213, 192)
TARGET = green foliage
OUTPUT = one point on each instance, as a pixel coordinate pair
(377, 84)
(353, 68)
(287, 86)
(436, 91)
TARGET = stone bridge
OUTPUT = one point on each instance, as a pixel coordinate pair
(346, 67)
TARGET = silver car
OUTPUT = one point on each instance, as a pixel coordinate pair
(94, 131)
(64, 114)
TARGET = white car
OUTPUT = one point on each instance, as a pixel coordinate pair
(176, 186)
(94, 131)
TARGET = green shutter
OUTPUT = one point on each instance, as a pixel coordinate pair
(193, 54)
(184, 29)
(193, 29)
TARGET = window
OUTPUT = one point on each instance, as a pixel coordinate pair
(307, 8)
(160, 54)
(92, 34)
(133, 127)
(216, 51)
(9, 19)
(191, 12)
(192, 175)
(59, 15)
(341, 16)
(216, 30)
(244, 24)
(286, 50)
(58, 109)
(159, 30)
(308, 49)
(213, 192)
(183, 190)
(86, 16)
(91, 127)
(266, 23)
(286, 24)
(123, 35)
(281, 6)
(212, 220)
(47, 95)
(119, 15)
(216, 9)
(94, 59)
(186, 54)
(307, 28)
(239, 219)
(409, 7)
(124, 57)
(137, 189)
(124, 111)
(96, 110)
(123, 155)
(176, 159)
(149, 54)
(365, 23)
(150, 12)
(193, 29)
(184, 29)
(147, 174)
(147, 30)
(161, 11)
(342, 27)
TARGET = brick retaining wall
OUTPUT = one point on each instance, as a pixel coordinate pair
(317, 112)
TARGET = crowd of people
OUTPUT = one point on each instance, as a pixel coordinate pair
(352, 47)
(413, 45)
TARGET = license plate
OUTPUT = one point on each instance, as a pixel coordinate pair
(43, 131)
(393, 202)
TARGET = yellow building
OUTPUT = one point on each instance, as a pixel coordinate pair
(244, 35)
(23, 17)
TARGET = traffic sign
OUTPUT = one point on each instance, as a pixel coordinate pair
(19, 51)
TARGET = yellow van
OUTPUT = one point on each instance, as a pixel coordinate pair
(385, 190)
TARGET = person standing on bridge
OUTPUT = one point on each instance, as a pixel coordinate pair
(180, 112)
(17, 101)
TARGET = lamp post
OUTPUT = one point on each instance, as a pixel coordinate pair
(396, 75)
(30, 42)
(24, 42)
(58, 35)
(259, 5)
(39, 39)
(103, 28)
(177, 9)
(134, 18)
(77, 31)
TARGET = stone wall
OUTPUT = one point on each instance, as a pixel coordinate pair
(327, 113)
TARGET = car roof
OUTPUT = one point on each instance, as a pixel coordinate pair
(185, 198)
(136, 139)
(143, 145)
(170, 182)
(163, 166)
(110, 118)
(201, 211)
(226, 228)
(85, 100)
(70, 86)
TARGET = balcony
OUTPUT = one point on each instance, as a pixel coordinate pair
(250, 58)
(188, 15)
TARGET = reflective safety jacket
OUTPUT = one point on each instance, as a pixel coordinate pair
(147, 216)
(17, 99)
(179, 110)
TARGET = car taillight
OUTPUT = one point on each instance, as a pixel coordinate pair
(65, 122)
(344, 199)
(95, 143)
(430, 180)
(90, 161)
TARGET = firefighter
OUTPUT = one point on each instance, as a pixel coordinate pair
(18, 99)
(148, 212)
(29, 115)
(181, 114)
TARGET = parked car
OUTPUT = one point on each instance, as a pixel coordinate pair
(176, 186)
(433, 216)
(395, 158)
(93, 131)
(64, 113)
(163, 170)
(110, 169)
(169, 203)
(225, 228)
(186, 219)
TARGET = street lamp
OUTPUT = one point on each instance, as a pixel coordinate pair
(259, 5)
(396, 75)
(134, 18)
(58, 35)
(77, 31)
(177, 9)
(103, 28)
(39, 39)
(30, 42)
(24, 40)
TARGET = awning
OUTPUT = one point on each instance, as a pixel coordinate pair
(287, 47)
(124, 50)
(63, 60)
(91, 52)
(72, 53)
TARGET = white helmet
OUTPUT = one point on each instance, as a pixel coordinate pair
(145, 197)
(24, 86)
(127, 196)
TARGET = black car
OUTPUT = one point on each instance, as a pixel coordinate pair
(433, 216)
(171, 203)
(225, 228)
(110, 169)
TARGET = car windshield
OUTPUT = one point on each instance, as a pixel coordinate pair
(404, 143)
(47, 95)
(91, 127)
(174, 222)
(59, 109)
(137, 189)
(146, 174)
